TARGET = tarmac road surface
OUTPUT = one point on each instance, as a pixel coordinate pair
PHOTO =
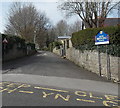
(45, 79)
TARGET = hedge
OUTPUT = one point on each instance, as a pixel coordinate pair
(12, 40)
(32, 45)
(54, 44)
(85, 39)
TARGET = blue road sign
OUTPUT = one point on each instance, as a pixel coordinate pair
(101, 38)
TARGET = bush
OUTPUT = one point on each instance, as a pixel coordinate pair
(12, 40)
(54, 44)
(85, 39)
(15, 40)
(32, 45)
(50, 47)
(57, 43)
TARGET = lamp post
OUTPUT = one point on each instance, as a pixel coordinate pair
(34, 40)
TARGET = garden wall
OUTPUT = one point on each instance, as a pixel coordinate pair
(89, 61)
(15, 47)
(16, 53)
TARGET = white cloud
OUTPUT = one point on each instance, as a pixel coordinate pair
(28, 0)
(50, 9)
(48, 6)
(55, 0)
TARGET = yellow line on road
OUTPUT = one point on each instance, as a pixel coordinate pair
(86, 100)
(26, 92)
(51, 89)
(116, 100)
(23, 85)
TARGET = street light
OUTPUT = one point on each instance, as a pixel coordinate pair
(34, 38)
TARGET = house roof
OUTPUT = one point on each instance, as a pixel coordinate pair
(108, 22)
(112, 21)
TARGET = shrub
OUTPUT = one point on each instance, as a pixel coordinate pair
(32, 45)
(57, 43)
(15, 40)
(85, 39)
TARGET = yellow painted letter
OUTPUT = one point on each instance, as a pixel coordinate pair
(59, 95)
(81, 93)
(110, 103)
(45, 94)
(110, 97)
(91, 96)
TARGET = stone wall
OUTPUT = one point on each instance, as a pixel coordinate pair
(16, 53)
(56, 51)
(89, 60)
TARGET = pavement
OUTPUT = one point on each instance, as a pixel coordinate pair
(52, 74)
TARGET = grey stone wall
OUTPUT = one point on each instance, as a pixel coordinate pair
(56, 51)
(16, 53)
(89, 60)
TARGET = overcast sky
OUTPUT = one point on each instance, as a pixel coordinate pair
(47, 6)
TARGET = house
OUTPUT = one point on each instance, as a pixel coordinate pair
(107, 22)
(112, 22)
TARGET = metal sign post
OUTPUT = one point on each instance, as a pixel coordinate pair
(108, 65)
(100, 39)
(99, 60)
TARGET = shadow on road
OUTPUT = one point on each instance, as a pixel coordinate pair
(23, 61)
(45, 63)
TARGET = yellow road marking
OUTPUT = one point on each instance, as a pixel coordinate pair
(26, 92)
(23, 85)
(85, 100)
(81, 93)
(9, 91)
(91, 96)
(13, 84)
(3, 83)
(64, 98)
(3, 90)
(51, 89)
(106, 103)
(46, 94)
(116, 100)
(111, 97)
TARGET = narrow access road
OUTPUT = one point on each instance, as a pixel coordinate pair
(46, 79)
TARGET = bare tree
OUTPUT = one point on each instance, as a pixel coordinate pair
(75, 27)
(22, 19)
(92, 13)
(51, 36)
(61, 28)
(41, 30)
(26, 21)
